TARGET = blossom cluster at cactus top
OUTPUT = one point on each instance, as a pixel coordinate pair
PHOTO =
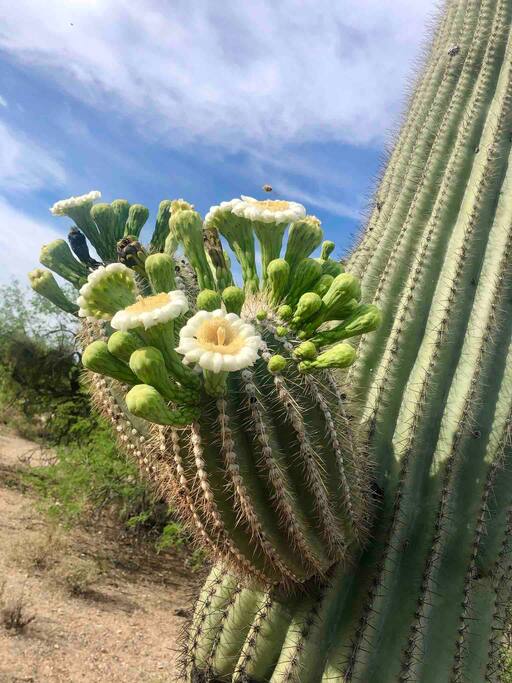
(174, 327)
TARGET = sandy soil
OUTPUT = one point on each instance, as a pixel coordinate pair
(125, 627)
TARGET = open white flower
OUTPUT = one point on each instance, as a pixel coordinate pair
(275, 211)
(219, 342)
(219, 211)
(62, 207)
(108, 289)
(151, 310)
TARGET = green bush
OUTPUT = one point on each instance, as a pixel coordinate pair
(41, 394)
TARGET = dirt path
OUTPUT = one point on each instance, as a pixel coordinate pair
(124, 628)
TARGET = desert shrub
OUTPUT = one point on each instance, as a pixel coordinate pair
(76, 575)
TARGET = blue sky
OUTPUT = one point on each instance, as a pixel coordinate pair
(154, 100)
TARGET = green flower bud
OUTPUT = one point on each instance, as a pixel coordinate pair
(285, 312)
(43, 282)
(261, 314)
(304, 237)
(161, 230)
(277, 364)
(137, 217)
(305, 351)
(365, 318)
(145, 402)
(121, 209)
(281, 331)
(344, 287)
(188, 226)
(123, 344)
(98, 358)
(233, 298)
(339, 356)
(208, 300)
(131, 253)
(304, 278)
(217, 258)
(57, 256)
(160, 271)
(330, 267)
(327, 249)
(278, 274)
(105, 218)
(309, 304)
(149, 365)
(322, 286)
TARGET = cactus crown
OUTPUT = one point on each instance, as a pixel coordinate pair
(235, 381)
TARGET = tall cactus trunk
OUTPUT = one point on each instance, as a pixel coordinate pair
(425, 602)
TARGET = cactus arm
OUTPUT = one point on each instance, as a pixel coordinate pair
(448, 33)
(435, 104)
(208, 617)
(264, 641)
(235, 629)
(410, 254)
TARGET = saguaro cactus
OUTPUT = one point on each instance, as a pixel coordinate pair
(423, 597)
(426, 600)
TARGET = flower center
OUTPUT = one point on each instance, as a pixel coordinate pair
(272, 204)
(218, 336)
(148, 303)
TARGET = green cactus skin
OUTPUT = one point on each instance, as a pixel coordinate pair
(276, 495)
(426, 600)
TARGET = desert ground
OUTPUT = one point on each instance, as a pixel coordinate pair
(83, 604)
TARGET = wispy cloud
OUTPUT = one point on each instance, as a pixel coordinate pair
(21, 238)
(3, 101)
(24, 165)
(319, 201)
(228, 73)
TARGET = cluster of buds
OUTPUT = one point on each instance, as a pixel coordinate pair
(184, 343)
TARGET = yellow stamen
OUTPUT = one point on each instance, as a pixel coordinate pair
(221, 336)
(217, 335)
(148, 303)
(272, 204)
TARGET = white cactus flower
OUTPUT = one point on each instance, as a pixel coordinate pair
(151, 310)
(62, 207)
(107, 290)
(219, 342)
(275, 211)
(218, 210)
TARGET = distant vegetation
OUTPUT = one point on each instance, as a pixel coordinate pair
(43, 398)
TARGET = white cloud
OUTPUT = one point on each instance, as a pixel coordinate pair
(24, 165)
(3, 101)
(230, 73)
(21, 238)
